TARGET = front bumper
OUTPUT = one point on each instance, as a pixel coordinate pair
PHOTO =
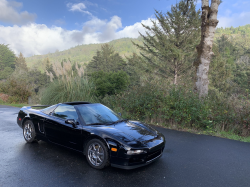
(136, 161)
(136, 166)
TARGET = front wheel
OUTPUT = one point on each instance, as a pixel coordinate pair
(97, 154)
(29, 132)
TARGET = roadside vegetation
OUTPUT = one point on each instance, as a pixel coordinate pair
(12, 104)
(154, 82)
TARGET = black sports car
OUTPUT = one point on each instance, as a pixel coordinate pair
(96, 131)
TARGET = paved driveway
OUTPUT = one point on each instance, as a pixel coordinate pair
(188, 160)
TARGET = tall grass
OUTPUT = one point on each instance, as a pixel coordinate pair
(68, 90)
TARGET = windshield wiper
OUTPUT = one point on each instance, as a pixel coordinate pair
(95, 124)
(109, 123)
(118, 121)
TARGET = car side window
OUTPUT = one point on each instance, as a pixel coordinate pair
(65, 111)
(48, 110)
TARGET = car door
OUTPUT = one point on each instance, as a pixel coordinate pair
(62, 133)
(39, 119)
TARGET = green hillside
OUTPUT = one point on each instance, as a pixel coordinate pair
(239, 36)
(82, 54)
(243, 30)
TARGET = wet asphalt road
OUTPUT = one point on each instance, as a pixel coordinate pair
(188, 160)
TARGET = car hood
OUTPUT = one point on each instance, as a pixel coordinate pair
(133, 133)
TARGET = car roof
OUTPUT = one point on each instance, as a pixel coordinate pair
(76, 103)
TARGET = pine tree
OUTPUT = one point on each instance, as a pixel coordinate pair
(21, 64)
(106, 60)
(169, 45)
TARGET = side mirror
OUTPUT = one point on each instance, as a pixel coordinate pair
(71, 121)
(120, 114)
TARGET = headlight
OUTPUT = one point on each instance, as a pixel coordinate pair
(135, 152)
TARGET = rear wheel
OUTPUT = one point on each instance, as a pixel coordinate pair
(29, 132)
(97, 154)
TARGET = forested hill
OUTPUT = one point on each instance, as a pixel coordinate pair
(84, 53)
(241, 30)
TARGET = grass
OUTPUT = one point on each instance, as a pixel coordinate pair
(232, 136)
(220, 134)
(13, 104)
(223, 134)
(67, 90)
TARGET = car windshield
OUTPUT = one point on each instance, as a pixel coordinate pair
(97, 114)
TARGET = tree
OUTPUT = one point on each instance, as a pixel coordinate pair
(135, 70)
(7, 61)
(204, 49)
(106, 60)
(49, 69)
(169, 44)
(37, 80)
(21, 64)
(30, 81)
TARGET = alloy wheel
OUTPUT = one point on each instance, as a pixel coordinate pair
(95, 154)
(27, 133)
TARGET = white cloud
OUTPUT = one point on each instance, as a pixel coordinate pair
(9, 13)
(76, 7)
(79, 7)
(132, 31)
(234, 20)
(35, 39)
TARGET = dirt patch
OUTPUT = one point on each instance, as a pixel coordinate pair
(4, 97)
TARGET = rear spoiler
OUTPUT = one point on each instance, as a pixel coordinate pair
(36, 106)
(41, 106)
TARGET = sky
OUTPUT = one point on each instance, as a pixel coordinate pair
(35, 27)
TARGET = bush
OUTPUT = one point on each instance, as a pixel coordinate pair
(230, 113)
(17, 88)
(67, 90)
(109, 83)
(178, 105)
(152, 104)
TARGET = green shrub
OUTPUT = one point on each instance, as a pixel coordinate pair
(230, 113)
(109, 83)
(178, 105)
(17, 88)
(152, 104)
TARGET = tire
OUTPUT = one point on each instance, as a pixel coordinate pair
(97, 154)
(29, 132)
